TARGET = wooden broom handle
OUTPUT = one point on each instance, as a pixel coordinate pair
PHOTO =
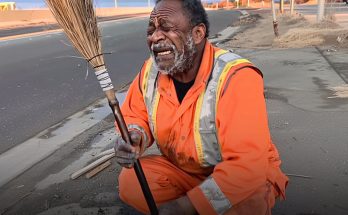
(114, 105)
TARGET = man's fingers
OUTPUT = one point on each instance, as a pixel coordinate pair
(125, 162)
(126, 159)
(124, 147)
(135, 138)
(125, 155)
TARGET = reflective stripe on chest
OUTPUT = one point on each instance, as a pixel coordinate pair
(204, 126)
(151, 95)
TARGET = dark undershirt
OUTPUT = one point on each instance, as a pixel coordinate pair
(182, 88)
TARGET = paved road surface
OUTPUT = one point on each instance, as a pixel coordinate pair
(41, 83)
(40, 28)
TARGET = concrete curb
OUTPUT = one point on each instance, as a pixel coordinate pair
(230, 31)
(25, 155)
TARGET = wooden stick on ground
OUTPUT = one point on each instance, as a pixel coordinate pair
(106, 152)
(91, 166)
(98, 169)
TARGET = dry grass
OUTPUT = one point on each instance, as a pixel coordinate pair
(305, 37)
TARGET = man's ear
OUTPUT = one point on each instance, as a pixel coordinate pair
(198, 33)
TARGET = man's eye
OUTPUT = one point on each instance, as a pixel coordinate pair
(150, 31)
(165, 28)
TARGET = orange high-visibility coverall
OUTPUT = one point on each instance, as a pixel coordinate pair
(250, 162)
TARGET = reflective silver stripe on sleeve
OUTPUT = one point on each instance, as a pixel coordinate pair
(215, 196)
(144, 134)
(142, 131)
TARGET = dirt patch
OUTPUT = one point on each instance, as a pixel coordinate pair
(295, 32)
(251, 19)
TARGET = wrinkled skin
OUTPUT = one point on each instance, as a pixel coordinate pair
(166, 35)
(173, 42)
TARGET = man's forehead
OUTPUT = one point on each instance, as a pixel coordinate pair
(167, 9)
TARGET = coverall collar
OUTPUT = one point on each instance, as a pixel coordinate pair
(166, 86)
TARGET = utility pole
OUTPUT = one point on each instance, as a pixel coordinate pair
(275, 23)
(149, 3)
(292, 5)
(248, 3)
(115, 3)
(321, 7)
(281, 6)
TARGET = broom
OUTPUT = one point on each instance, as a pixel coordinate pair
(79, 22)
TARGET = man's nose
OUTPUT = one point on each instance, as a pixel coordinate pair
(157, 36)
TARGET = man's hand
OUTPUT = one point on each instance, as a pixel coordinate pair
(125, 153)
(181, 205)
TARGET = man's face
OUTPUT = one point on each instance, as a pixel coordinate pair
(169, 38)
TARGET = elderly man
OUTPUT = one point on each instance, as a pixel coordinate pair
(204, 108)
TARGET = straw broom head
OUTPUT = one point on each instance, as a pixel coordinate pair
(79, 22)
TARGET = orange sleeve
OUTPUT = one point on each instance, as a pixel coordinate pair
(244, 138)
(134, 110)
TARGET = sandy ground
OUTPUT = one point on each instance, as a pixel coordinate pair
(295, 32)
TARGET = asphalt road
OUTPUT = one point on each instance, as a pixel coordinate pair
(47, 27)
(42, 80)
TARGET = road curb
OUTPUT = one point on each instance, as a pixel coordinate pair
(226, 34)
(36, 34)
(16, 160)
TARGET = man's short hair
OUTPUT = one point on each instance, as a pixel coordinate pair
(196, 13)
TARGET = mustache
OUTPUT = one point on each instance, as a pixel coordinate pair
(162, 47)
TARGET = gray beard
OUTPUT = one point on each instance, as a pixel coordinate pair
(182, 61)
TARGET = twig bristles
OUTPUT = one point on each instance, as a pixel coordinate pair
(79, 22)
